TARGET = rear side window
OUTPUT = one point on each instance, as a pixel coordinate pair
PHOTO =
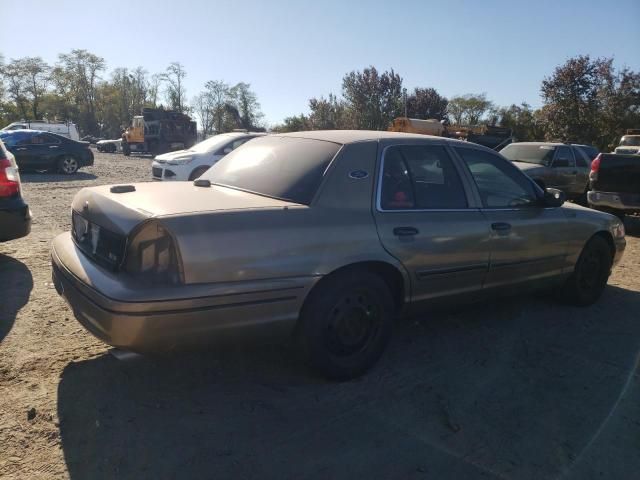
(500, 184)
(564, 158)
(581, 157)
(421, 178)
(44, 138)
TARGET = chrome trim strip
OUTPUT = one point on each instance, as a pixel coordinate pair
(422, 274)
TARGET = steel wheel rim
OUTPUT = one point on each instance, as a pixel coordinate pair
(354, 322)
(590, 271)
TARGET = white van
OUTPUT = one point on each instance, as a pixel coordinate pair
(65, 129)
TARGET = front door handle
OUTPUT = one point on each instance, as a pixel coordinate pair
(501, 226)
(405, 231)
(53, 146)
(21, 149)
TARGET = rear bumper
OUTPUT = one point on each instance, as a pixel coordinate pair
(15, 221)
(228, 312)
(628, 202)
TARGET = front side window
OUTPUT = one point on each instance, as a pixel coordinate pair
(500, 184)
(421, 178)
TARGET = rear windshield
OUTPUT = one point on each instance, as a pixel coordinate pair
(539, 154)
(279, 167)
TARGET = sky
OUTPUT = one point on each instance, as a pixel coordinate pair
(290, 51)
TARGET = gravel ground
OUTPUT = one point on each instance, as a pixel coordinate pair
(523, 388)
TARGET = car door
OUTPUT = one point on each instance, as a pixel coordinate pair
(565, 173)
(583, 166)
(19, 143)
(48, 149)
(42, 150)
(426, 220)
(528, 241)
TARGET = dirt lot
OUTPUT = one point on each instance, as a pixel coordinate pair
(518, 389)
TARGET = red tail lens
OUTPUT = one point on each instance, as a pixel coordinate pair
(9, 179)
(595, 165)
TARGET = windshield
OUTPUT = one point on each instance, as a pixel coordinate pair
(538, 154)
(213, 143)
(630, 141)
(287, 168)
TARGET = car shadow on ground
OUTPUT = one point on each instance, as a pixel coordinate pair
(522, 388)
(15, 288)
(47, 177)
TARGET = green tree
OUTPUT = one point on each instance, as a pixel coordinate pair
(246, 102)
(426, 103)
(329, 114)
(468, 109)
(295, 123)
(76, 76)
(522, 120)
(176, 93)
(375, 99)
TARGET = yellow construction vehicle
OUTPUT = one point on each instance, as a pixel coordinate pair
(159, 131)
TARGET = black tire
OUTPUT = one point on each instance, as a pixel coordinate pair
(126, 151)
(67, 164)
(197, 173)
(346, 324)
(591, 272)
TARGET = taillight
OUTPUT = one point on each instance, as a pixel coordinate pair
(595, 167)
(152, 255)
(9, 179)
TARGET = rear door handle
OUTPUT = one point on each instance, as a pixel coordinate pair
(501, 226)
(53, 146)
(405, 231)
(21, 149)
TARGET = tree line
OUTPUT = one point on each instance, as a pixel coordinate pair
(77, 89)
(584, 100)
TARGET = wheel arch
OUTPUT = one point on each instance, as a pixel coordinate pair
(395, 279)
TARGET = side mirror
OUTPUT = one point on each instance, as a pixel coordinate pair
(554, 198)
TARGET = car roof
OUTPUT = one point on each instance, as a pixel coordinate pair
(353, 136)
(550, 144)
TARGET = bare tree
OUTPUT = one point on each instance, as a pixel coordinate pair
(174, 77)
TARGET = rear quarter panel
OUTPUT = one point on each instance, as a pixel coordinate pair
(584, 223)
(336, 230)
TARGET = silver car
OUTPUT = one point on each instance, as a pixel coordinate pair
(325, 236)
(556, 165)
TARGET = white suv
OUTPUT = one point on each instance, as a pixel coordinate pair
(66, 129)
(190, 164)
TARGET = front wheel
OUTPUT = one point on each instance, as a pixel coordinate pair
(68, 165)
(346, 323)
(589, 278)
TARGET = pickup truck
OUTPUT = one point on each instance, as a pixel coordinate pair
(615, 183)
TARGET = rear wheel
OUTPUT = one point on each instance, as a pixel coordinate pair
(68, 165)
(346, 324)
(590, 275)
